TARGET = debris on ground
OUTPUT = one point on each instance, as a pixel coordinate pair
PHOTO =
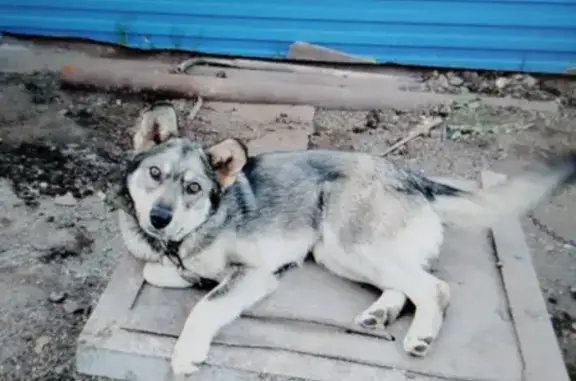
(57, 296)
(41, 343)
(519, 85)
(421, 129)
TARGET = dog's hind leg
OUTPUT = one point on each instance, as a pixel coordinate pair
(389, 305)
(383, 311)
(395, 261)
(402, 266)
(431, 296)
(239, 291)
(401, 280)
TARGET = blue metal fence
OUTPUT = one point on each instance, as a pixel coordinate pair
(526, 35)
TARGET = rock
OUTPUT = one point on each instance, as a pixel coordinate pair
(372, 119)
(402, 151)
(442, 81)
(444, 110)
(573, 292)
(66, 200)
(518, 77)
(423, 87)
(57, 296)
(529, 81)
(59, 253)
(502, 82)
(552, 299)
(358, 129)
(83, 239)
(72, 307)
(65, 224)
(41, 343)
(456, 81)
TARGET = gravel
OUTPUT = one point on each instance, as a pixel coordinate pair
(522, 86)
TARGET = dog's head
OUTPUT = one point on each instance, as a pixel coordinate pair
(175, 183)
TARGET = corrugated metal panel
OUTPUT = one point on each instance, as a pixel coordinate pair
(531, 35)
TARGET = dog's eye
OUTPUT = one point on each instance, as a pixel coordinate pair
(193, 188)
(155, 173)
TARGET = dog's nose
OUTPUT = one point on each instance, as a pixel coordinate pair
(160, 216)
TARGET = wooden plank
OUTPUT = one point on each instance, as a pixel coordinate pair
(538, 345)
(265, 92)
(389, 81)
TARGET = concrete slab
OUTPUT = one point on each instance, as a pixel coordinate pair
(299, 332)
(263, 127)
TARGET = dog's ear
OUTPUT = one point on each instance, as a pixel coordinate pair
(227, 158)
(157, 123)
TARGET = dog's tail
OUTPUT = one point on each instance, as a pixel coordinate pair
(513, 197)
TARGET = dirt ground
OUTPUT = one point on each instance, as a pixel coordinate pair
(58, 243)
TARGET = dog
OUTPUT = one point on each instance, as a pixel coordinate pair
(216, 213)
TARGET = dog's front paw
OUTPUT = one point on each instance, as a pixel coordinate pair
(182, 366)
(187, 357)
(163, 276)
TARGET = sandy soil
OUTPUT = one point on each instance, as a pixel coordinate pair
(58, 244)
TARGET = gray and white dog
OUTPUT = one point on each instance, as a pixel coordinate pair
(217, 213)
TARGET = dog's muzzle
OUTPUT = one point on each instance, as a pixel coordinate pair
(160, 216)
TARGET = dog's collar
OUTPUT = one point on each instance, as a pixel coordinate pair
(172, 251)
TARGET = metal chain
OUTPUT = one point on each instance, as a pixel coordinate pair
(550, 232)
